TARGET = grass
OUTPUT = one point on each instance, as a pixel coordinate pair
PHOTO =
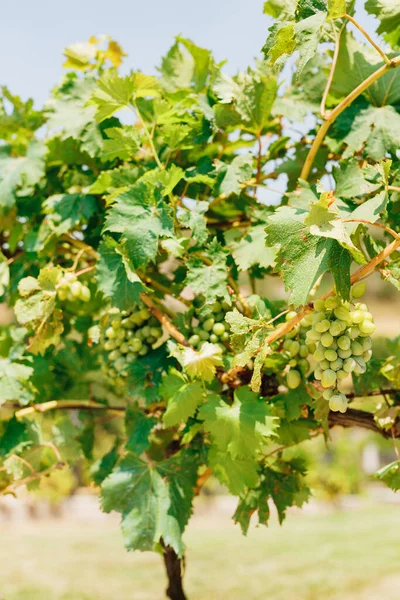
(348, 555)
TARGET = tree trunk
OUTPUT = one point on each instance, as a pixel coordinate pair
(174, 567)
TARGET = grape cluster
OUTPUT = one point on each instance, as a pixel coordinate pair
(211, 327)
(126, 336)
(72, 290)
(296, 347)
(339, 338)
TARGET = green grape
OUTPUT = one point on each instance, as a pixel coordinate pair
(356, 349)
(313, 336)
(344, 342)
(120, 364)
(344, 353)
(109, 345)
(326, 339)
(335, 328)
(293, 379)
(225, 337)
(136, 344)
(110, 333)
(319, 353)
(354, 333)
(361, 364)
(218, 329)
(319, 305)
(330, 354)
(337, 364)
(114, 355)
(124, 348)
(322, 326)
(367, 343)
(367, 355)
(367, 327)
(303, 351)
(318, 374)
(324, 364)
(318, 317)
(216, 307)
(194, 339)
(328, 378)
(75, 289)
(303, 365)
(294, 348)
(204, 335)
(62, 293)
(130, 357)
(341, 374)
(219, 316)
(327, 394)
(332, 302)
(292, 362)
(290, 315)
(358, 290)
(208, 324)
(349, 365)
(145, 331)
(213, 338)
(342, 314)
(144, 314)
(151, 340)
(143, 351)
(156, 332)
(357, 316)
(338, 403)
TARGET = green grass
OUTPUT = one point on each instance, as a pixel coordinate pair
(336, 556)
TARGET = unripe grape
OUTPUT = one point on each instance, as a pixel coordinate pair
(62, 294)
(218, 329)
(338, 403)
(213, 338)
(344, 353)
(120, 334)
(143, 351)
(328, 378)
(332, 302)
(109, 345)
(151, 340)
(361, 306)
(324, 364)
(326, 339)
(322, 326)
(292, 362)
(341, 374)
(130, 357)
(361, 363)
(294, 332)
(307, 320)
(120, 364)
(318, 374)
(294, 348)
(367, 327)
(312, 347)
(313, 336)
(303, 365)
(319, 353)
(319, 304)
(114, 355)
(344, 342)
(354, 333)
(110, 333)
(156, 332)
(124, 348)
(293, 379)
(194, 340)
(367, 355)
(146, 331)
(327, 394)
(216, 307)
(356, 349)
(335, 328)
(136, 344)
(357, 316)
(358, 290)
(144, 314)
(317, 317)
(220, 316)
(342, 313)
(330, 354)
(286, 344)
(204, 335)
(303, 351)
(208, 324)
(75, 288)
(337, 364)
(290, 315)
(367, 343)
(349, 365)
(225, 337)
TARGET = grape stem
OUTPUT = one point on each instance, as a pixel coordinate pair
(162, 318)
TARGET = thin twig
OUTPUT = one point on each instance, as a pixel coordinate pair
(331, 72)
(387, 229)
(368, 37)
(393, 188)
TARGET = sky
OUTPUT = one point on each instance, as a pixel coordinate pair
(33, 34)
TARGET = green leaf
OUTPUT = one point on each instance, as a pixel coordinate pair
(252, 250)
(103, 467)
(18, 176)
(14, 436)
(390, 475)
(114, 92)
(122, 142)
(155, 500)
(210, 280)
(280, 9)
(237, 474)
(376, 130)
(182, 398)
(232, 176)
(336, 9)
(388, 13)
(354, 182)
(240, 429)
(142, 220)
(138, 428)
(194, 219)
(4, 274)
(199, 364)
(307, 35)
(115, 277)
(293, 401)
(303, 257)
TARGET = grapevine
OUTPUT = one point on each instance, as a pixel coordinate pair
(184, 273)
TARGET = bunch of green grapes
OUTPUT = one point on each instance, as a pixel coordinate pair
(72, 290)
(126, 336)
(340, 340)
(211, 327)
(296, 348)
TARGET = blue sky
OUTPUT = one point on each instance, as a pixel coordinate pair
(33, 34)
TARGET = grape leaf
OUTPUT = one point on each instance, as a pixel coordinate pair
(251, 250)
(142, 219)
(376, 130)
(211, 280)
(239, 429)
(155, 500)
(201, 364)
(230, 177)
(122, 142)
(138, 427)
(236, 474)
(303, 257)
(390, 474)
(18, 176)
(182, 398)
(388, 13)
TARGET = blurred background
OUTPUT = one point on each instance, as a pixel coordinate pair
(344, 544)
